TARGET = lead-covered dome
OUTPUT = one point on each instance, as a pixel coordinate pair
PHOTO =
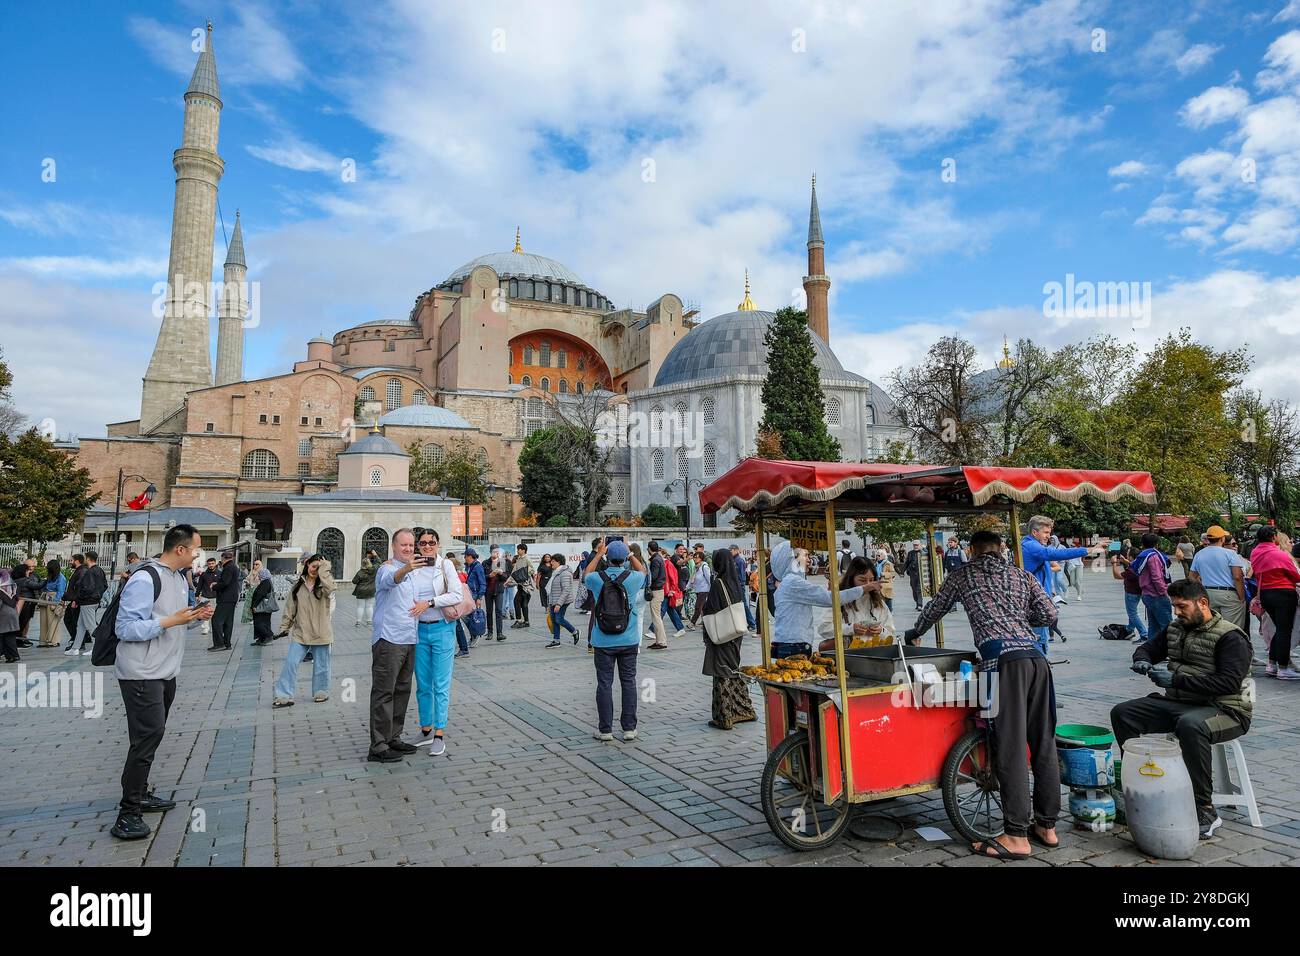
(732, 344)
(520, 265)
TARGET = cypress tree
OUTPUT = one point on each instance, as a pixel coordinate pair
(793, 403)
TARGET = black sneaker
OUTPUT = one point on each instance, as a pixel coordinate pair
(151, 803)
(219, 647)
(388, 756)
(130, 827)
(501, 637)
(401, 746)
(553, 644)
(1209, 820)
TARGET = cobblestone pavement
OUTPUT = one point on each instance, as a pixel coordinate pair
(524, 783)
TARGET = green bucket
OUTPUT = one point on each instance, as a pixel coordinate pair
(1083, 735)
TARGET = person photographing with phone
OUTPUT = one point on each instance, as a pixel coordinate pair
(437, 585)
(392, 648)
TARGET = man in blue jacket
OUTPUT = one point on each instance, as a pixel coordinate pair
(476, 581)
(1038, 558)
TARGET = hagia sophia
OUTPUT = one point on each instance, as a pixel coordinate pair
(485, 355)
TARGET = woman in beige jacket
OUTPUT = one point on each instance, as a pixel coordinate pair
(307, 620)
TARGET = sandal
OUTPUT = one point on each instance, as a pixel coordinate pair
(282, 702)
(999, 851)
(1035, 837)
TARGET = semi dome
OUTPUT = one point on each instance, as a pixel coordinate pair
(732, 344)
(426, 416)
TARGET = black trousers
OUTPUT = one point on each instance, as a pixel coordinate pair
(522, 597)
(148, 702)
(223, 624)
(916, 588)
(25, 617)
(262, 627)
(1197, 727)
(606, 660)
(1025, 717)
(1280, 605)
(391, 666)
(70, 617)
(9, 645)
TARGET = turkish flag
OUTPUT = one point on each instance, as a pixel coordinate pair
(139, 502)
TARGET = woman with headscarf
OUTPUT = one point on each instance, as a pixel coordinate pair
(264, 606)
(307, 620)
(10, 605)
(731, 703)
(866, 618)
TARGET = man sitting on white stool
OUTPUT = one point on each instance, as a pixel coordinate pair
(1208, 689)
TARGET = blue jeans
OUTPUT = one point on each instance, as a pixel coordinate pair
(1159, 613)
(433, 663)
(320, 669)
(749, 613)
(558, 621)
(462, 641)
(1131, 604)
(625, 658)
(673, 614)
(1059, 583)
(1044, 638)
(496, 613)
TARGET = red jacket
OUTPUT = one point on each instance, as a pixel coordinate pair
(672, 587)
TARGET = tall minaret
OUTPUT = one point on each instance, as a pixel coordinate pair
(815, 284)
(181, 361)
(231, 312)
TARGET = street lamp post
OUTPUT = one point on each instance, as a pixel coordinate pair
(117, 514)
(687, 484)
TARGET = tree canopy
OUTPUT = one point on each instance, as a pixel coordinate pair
(43, 494)
(794, 406)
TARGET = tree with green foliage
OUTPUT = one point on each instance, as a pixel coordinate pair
(1175, 409)
(460, 473)
(1263, 464)
(43, 494)
(1089, 516)
(549, 482)
(11, 420)
(661, 516)
(794, 405)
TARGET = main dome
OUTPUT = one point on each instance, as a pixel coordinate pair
(521, 265)
(732, 344)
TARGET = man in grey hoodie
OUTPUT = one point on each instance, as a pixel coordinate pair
(152, 620)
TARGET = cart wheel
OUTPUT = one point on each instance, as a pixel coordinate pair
(970, 787)
(791, 804)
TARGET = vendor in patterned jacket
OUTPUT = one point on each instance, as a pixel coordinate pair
(1208, 690)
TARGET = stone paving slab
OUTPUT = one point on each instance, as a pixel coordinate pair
(524, 783)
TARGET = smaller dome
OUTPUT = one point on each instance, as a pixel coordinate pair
(374, 444)
(320, 339)
(425, 416)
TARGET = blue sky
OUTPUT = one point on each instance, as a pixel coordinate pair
(465, 120)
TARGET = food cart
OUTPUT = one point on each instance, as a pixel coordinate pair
(869, 724)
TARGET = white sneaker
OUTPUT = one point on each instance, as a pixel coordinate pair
(72, 652)
(602, 736)
(437, 747)
(1287, 673)
(629, 735)
(680, 634)
(1270, 670)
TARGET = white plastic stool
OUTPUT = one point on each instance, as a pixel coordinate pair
(1227, 793)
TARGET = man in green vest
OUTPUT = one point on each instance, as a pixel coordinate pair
(1208, 691)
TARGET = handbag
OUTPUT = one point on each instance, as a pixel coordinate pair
(476, 622)
(726, 624)
(268, 605)
(463, 608)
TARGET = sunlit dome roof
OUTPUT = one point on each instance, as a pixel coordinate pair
(427, 416)
(523, 265)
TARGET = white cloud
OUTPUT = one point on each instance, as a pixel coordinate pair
(1210, 172)
(1195, 57)
(252, 50)
(1283, 63)
(1128, 169)
(1215, 105)
(1263, 230)
(82, 268)
(292, 153)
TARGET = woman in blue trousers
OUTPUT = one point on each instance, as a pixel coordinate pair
(437, 586)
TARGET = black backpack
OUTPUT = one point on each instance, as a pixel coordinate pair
(104, 651)
(612, 610)
(1114, 632)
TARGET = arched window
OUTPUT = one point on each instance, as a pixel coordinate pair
(367, 393)
(561, 359)
(514, 288)
(543, 291)
(376, 540)
(376, 477)
(393, 394)
(528, 355)
(260, 463)
(708, 410)
(419, 397)
(871, 414)
(620, 493)
(526, 288)
(546, 355)
(710, 460)
(579, 388)
(330, 545)
(682, 464)
(833, 412)
(582, 364)
(657, 424)
(432, 454)
(564, 387)
(482, 457)
(657, 464)
(526, 381)
(546, 384)
(679, 415)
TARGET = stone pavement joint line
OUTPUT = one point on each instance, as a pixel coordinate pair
(523, 782)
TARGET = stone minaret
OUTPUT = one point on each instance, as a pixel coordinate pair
(816, 285)
(181, 361)
(231, 312)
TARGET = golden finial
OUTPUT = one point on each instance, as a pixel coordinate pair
(748, 304)
(1007, 361)
(518, 248)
